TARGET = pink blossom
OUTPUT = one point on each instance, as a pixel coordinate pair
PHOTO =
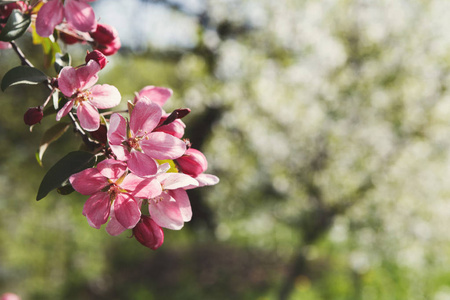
(138, 144)
(77, 13)
(78, 85)
(148, 233)
(107, 183)
(172, 208)
(4, 45)
(194, 163)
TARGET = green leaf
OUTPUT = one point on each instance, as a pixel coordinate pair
(70, 164)
(22, 75)
(62, 61)
(66, 189)
(16, 26)
(51, 135)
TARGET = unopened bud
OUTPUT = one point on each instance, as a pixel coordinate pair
(33, 115)
(193, 162)
(97, 56)
(148, 233)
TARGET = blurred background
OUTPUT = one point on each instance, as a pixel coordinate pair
(326, 121)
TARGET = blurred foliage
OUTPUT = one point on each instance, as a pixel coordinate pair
(328, 125)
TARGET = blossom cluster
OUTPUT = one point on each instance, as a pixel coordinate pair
(144, 166)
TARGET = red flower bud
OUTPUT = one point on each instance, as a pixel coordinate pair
(33, 115)
(106, 39)
(193, 162)
(97, 56)
(69, 39)
(148, 233)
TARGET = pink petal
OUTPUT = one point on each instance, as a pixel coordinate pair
(161, 145)
(176, 128)
(173, 181)
(144, 117)
(105, 96)
(158, 95)
(50, 15)
(120, 152)
(86, 76)
(126, 210)
(114, 227)
(88, 116)
(64, 110)
(141, 187)
(141, 164)
(204, 180)
(112, 169)
(165, 212)
(80, 15)
(117, 129)
(96, 209)
(184, 205)
(67, 81)
(88, 182)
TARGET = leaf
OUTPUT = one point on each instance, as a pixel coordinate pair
(51, 135)
(61, 61)
(66, 189)
(22, 75)
(16, 26)
(70, 164)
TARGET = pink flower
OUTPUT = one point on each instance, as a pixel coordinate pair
(78, 86)
(148, 233)
(108, 183)
(77, 13)
(138, 144)
(172, 208)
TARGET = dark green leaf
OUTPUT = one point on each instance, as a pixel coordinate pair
(51, 135)
(22, 75)
(70, 164)
(61, 61)
(65, 189)
(16, 26)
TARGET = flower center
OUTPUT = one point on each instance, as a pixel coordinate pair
(82, 96)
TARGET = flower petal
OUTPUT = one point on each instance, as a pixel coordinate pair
(88, 116)
(161, 145)
(96, 209)
(86, 76)
(141, 187)
(145, 116)
(88, 182)
(184, 204)
(64, 110)
(165, 212)
(117, 129)
(158, 95)
(126, 210)
(67, 81)
(105, 96)
(80, 15)
(112, 169)
(114, 227)
(141, 164)
(50, 15)
(173, 181)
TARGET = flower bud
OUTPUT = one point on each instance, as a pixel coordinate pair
(33, 115)
(97, 56)
(193, 162)
(106, 39)
(68, 39)
(6, 9)
(148, 233)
